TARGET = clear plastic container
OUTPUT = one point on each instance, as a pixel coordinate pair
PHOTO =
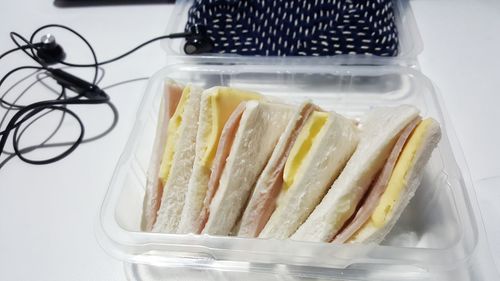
(438, 237)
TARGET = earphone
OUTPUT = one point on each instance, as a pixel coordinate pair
(197, 42)
(47, 52)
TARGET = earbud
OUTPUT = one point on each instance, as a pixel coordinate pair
(197, 40)
(48, 51)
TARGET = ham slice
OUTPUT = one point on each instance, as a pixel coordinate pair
(378, 187)
(174, 93)
(154, 188)
(263, 201)
(224, 147)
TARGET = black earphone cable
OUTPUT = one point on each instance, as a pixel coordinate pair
(97, 63)
(14, 36)
(76, 143)
(13, 50)
(25, 113)
(88, 93)
(120, 56)
(8, 75)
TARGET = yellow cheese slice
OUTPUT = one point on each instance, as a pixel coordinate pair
(173, 135)
(222, 103)
(302, 146)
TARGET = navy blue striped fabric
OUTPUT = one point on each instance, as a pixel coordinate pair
(298, 27)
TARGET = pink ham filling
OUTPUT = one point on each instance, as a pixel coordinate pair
(225, 142)
(172, 98)
(378, 187)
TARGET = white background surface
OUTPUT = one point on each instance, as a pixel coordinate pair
(48, 213)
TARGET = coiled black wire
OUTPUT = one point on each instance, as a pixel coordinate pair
(26, 115)
(29, 114)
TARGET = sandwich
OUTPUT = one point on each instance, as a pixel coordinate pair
(216, 106)
(246, 143)
(177, 160)
(389, 196)
(298, 175)
(269, 185)
(378, 181)
(233, 162)
(154, 190)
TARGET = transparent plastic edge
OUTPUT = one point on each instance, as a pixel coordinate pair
(411, 41)
(480, 260)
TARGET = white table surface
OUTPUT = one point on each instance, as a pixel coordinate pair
(48, 213)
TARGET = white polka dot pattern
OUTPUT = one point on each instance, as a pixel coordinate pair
(298, 27)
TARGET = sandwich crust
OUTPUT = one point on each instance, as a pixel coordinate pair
(377, 188)
(216, 111)
(190, 221)
(380, 129)
(331, 149)
(260, 126)
(223, 150)
(269, 185)
(154, 188)
(182, 164)
(412, 180)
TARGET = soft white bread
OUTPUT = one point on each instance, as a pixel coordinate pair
(182, 164)
(154, 190)
(379, 131)
(262, 202)
(332, 147)
(411, 180)
(260, 126)
(198, 181)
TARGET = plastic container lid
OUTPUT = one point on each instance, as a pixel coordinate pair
(410, 42)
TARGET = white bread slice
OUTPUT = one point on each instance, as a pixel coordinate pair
(226, 141)
(379, 131)
(262, 202)
(370, 233)
(198, 182)
(260, 126)
(379, 186)
(331, 149)
(176, 185)
(152, 197)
